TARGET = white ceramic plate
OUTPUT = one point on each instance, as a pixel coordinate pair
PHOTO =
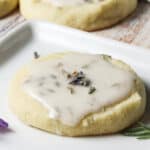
(17, 49)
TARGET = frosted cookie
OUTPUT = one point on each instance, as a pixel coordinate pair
(83, 14)
(6, 6)
(92, 96)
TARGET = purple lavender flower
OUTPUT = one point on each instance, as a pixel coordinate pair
(3, 124)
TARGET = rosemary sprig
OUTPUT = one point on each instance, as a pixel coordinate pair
(142, 131)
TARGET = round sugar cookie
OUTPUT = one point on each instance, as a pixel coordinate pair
(88, 15)
(6, 6)
(110, 119)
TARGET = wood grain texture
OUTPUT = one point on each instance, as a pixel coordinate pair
(9, 22)
(134, 30)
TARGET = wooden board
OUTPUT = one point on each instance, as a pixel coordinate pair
(134, 30)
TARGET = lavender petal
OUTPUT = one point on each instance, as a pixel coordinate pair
(3, 124)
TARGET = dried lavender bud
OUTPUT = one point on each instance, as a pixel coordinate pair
(92, 90)
(116, 85)
(75, 73)
(71, 89)
(51, 90)
(85, 66)
(57, 84)
(53, 76)
(77, 81)
(68, 76)
(79, 78)
(36, 55)
(87, 82)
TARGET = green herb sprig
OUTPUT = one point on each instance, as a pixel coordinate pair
(142, 131)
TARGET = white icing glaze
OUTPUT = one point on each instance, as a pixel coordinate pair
(48, 84)
(71, 2)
